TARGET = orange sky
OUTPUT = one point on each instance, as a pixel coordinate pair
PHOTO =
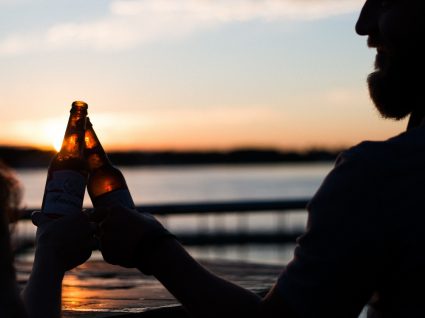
(222, 129)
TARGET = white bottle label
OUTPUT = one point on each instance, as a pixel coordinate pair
(64, 193)
(120, 197)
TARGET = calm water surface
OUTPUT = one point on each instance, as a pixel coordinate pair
(213, 183)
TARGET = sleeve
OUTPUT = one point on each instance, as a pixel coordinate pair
(333, 272)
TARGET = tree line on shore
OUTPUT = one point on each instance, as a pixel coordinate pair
(26, 157)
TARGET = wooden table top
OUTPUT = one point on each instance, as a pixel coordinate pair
(97, 289)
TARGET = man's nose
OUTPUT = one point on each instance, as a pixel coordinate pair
(367, 22)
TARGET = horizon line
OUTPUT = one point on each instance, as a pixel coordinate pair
(194, 150)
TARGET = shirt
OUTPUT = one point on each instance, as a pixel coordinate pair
(365, 235)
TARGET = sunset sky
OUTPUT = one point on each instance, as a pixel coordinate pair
(188, 74)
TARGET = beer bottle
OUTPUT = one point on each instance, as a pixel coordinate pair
(67, 174)
(106, 184)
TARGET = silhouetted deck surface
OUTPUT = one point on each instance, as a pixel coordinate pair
(97, 289)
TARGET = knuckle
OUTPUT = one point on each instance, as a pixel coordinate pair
(108, 257)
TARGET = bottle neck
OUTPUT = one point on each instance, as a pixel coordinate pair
(73, 141)
(95, 154)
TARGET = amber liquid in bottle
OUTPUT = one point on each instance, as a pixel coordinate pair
(67, 173)
(106, 184)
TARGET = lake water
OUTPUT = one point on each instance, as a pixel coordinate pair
(209, 184)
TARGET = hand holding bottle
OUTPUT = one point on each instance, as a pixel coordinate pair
(64, 242)
(61, 244)
(128, 237)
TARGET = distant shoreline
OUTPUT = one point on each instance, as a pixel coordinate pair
(18, 157)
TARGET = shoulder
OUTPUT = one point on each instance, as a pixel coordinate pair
(364, 156)
(363, 170)
(353, 167)
(350, 188)
(373, 157)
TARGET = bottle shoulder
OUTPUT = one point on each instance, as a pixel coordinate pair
(106, 170)
(59, 162)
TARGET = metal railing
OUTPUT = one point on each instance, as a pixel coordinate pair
(219, 236)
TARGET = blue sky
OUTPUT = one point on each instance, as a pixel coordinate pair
(188, 74)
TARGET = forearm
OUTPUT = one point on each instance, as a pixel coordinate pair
(201, 292)
(10, 301)
(43, 292)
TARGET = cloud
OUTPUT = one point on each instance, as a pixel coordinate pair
(237, 10)
(13, 2)
(133, 22)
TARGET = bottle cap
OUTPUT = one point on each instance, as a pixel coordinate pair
(79, 104)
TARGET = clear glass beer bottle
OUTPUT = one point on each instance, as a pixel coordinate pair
(67, 173)
(106, 184)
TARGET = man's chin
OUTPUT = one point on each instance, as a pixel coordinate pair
(387, 96)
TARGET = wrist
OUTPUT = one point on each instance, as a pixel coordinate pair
(149, 254)
(46, 261)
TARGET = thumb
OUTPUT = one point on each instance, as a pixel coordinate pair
(98, 214)
(39, 218)
(35, 217)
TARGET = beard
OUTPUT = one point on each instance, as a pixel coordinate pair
(393, 86)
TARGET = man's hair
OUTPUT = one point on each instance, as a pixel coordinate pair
(10, 193)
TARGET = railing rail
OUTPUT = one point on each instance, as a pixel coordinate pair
(222, 207)
(219, 236)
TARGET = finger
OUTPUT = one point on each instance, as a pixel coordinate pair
(99, 214)
(87, 212)
(94, 244)
(82, 221)
(35, 217)
(39, 218)
(108, 256)
(95, 230)
(94, 227)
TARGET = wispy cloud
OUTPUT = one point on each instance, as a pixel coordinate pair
(133, 22)
(237, 10)
(13, 2)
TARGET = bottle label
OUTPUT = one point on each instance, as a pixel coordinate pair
(120, 197)
(64, 193)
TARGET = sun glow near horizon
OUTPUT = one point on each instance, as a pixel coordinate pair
(121, 131)
(56, 137)
(186, 131)
(46, 134)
